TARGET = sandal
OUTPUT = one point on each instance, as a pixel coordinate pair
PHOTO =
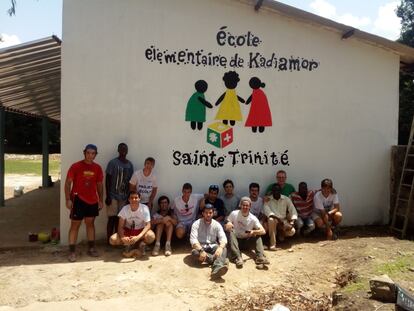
(92, 252)
(72, 257)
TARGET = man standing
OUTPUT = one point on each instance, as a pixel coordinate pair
(118, 174)
(208, 241)
(286, 189)
(281, 216)
(134, 226)
(245, 233)
(145, 182)
(84, 198)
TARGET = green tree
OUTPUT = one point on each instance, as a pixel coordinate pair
(405, 11)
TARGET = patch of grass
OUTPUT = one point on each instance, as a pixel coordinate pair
(360, 284)
(19, 166)
(396, 267)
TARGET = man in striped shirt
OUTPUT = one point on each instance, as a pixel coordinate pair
(303, 201)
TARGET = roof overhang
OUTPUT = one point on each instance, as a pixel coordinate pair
(30, 76)
(345, 32)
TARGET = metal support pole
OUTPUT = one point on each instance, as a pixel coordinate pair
(45, 152)
(2, 137)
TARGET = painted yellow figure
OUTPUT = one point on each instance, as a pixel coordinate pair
(230, 107)
(229, 110)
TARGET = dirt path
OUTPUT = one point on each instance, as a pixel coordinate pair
(43, 279)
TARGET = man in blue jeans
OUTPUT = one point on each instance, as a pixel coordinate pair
(208, 241)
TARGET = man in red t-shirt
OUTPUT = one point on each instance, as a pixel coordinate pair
(84, 198)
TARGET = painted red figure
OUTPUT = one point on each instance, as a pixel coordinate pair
(260, 115)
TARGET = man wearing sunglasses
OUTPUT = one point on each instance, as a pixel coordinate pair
(186, 209)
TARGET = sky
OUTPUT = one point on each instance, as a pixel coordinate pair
(37, 19)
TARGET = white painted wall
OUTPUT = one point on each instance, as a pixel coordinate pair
(337, 121)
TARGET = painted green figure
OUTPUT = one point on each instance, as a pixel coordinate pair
(196, 106)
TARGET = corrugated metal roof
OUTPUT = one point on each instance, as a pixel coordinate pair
(30, 75)
(345, 32)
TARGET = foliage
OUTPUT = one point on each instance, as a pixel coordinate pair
(24, 135)
(405, 11)
(12, 10)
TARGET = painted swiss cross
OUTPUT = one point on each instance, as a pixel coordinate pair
(219, 134)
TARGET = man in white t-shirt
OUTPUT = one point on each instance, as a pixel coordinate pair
(134, 227)
(327, 209)
(144, 182)
(245, 231)
(186, 210)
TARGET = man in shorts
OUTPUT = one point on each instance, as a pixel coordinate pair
(327, 209)
(208, 242)
(84, 198)
(144, 181)
(134, 228)
(281, 216)
(245, 231)
(164, 221)
(186, 210)
(118, 174)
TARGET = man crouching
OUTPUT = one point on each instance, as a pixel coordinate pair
(134, 227)
(208, 241)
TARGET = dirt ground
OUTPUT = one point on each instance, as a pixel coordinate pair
(34, 279)
(35, 276)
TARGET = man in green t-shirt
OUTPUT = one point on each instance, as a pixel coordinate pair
(287, 189)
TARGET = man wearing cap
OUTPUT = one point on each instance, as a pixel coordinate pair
(245, 231)
(208, 241)
(219, 211)
(84, 198)
(118, 174)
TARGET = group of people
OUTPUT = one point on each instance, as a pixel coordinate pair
(215, 225)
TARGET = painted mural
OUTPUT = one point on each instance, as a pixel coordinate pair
(219, 131)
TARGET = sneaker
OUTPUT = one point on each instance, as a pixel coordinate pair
(156, 250)
(219, 271)
(168, 251)
(239, 263)
(260, 266)
(262, 261)
(92, 252)
(72, 257)
(307, 231)
(272, 248)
